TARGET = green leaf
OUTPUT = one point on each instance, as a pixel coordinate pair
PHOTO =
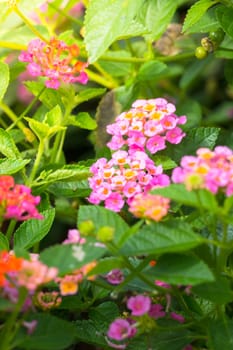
(193, 72)
(196, 12)
(53, 117)
(5, 77)
(150, 70)
(105, 265)
(51, 333)
(116, 69)
(157, 16)
(192, 110)
(107, 21)
(158, 238)
(69, 257)
(220, 334)
(50, 97)
(198, 198)
(88, 94)
(166, 162)
(7, 145)
(42, 129)
(67, 172)
(32, 231)
(206, 23)
(4, 243)
(89, 334)
(12, 166)
(82, 120)
(195, 138)
(181, 269)
(219, 292)
(71, 189)
(103, 315)
(224, 16)
(103, 217)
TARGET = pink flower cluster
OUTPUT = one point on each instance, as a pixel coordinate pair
(118, 180)
(146, 126)
(143, 313)
(212, 170)
(149, 206)
(56, 61)
(16, 201)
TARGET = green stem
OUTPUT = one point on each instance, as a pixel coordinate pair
(37, 161)
(25, 112)
(29, 24)
(100, 80)
(10, 229)
(7, 332)
(12, 116)
(12, 46)
(60, 146)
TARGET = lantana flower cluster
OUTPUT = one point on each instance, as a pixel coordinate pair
(56, 61)
(118, 180)
(142, 317)
(130, 172)
(16, 200)
(147, 126)
(211, 170)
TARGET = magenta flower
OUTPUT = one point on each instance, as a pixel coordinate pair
(177, 317)
(115, 276)
(119, 329)
(139, 305)
(156, 311)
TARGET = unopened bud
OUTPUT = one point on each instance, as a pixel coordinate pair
(105, 234)
(86, 228)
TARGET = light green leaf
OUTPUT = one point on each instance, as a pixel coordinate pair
(53, 117)
(7, 145)
(12, 166)
(32, 231)
(107, 21)
(71, 189)
(82, 120)
(88, 94)
(69, 257)
(196, 12)
(103, 217)
(50, 97)
(67, 172)
(151, 70)
(5, 77)
(158, 238)
(181, 269)
(166, 162)
(206, 23)
(51, 333)
(157, 16)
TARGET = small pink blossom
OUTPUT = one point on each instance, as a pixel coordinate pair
(177, 317)
(156, 311)
(115, 276)
(119, 329)
(139, 305)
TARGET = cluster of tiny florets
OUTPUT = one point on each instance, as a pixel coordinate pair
(56, 61)
(212, 170)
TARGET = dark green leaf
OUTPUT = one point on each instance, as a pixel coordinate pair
(150, 70)
(224, 16)
(218, 292)
(220, 334)
(158, 238)
(4, 243)
(181, 269)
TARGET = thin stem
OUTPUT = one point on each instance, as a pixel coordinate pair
(60, 147)
(12, 46)
(7, 332)
(100, 80)
(12, 116)
(105, 74)
(25, 112)
(66, 15)
(29, 24)
(37, 161)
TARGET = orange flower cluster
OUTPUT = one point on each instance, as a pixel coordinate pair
(8, 264)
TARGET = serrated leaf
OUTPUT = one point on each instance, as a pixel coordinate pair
(88, 94)
(103, 217)
(194, 139)
(196, 12)
(7, 145)
(181, 269)
(105, 265)
(82, 120)
(71, 189)
(150, 70)
(103, 315)
(4, 243)
(5, 77)
(158, 238)
(224, 16)
(46, 335)
(32, 231)
(69, 257)
(107, 21)
(12, 166)
(67, 172)
(218, 292)
(158, 15)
